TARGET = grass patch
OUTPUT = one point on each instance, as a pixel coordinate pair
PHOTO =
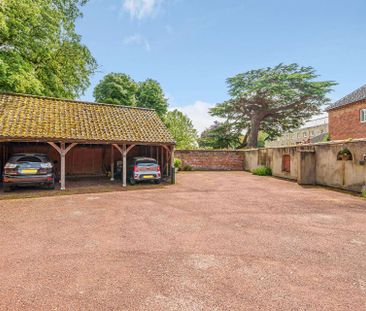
(187, 168)
(262, 171)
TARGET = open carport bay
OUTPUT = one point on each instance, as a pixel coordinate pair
(214, 241)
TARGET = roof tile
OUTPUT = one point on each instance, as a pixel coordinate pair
(353, 97)
(42, 118)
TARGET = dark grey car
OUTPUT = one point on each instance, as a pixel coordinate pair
(142, 169)
(28, 169)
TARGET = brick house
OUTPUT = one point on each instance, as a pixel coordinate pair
(309, 134)
(347, 116)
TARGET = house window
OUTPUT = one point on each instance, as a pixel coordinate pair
(363, 115)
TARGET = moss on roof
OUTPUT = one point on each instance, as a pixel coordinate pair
(43, 118)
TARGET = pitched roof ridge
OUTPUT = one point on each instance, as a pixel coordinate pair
(349, 98)
(74, 101)
(352, 93)
(311, 126)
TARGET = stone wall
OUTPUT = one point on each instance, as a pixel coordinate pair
(315, 164)
(309, 164)
(209, 160)
(346, 174)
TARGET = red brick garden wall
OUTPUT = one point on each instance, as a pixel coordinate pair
(212, 159)
(345, 122)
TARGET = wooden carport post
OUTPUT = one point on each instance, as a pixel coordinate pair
(170, 162)
(112, 163)
(124, 150)
(172, 168)
(162, 161)
(124, 173)
(63, 150)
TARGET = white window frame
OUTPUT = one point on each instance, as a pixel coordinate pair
(363, 115)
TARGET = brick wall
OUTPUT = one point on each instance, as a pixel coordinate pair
(344, 122)
(212, 159)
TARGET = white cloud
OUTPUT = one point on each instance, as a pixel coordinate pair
(137, 39)
(198, 113)
(141, 8)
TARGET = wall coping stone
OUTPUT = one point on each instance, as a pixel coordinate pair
(333, 142)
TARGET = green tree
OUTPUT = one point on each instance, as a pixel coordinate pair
(116, 88)
(220, 135)
(151, 95)
(121, 89)
(262, 138)
(274, 100)
(182, 129)
(40, 51)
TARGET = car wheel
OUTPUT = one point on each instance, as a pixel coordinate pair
(6, 188)
(157, 181)
(132, 181)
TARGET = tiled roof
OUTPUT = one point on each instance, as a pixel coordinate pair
(43, 118)
(355, 96)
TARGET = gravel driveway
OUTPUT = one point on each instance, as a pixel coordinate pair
(215, 241)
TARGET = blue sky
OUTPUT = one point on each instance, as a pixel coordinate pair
(191, 47)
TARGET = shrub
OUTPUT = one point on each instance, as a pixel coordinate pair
(344, 154)
(187, 168)
(262, 171)
(326, 138)
(178, 163)
(363, 191)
